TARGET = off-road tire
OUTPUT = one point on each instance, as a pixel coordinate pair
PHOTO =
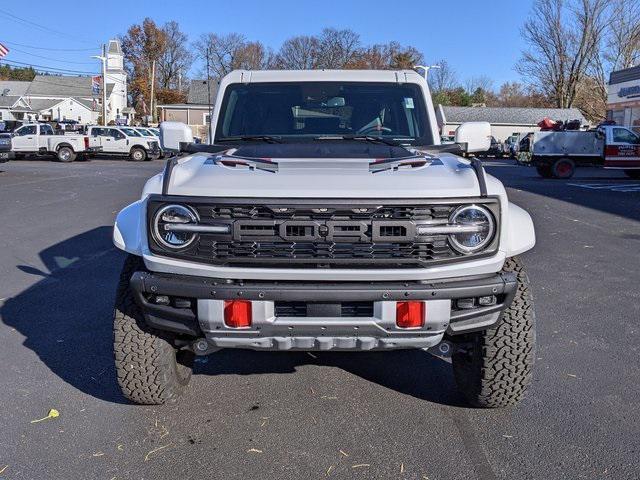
(494, 368)
(138, 154)
(635, 174)
(65, 154)
(544, 171)
(149, 369)
(563, 168)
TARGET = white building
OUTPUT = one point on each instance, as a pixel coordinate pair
(61, 97)
(505, 121)
(623, 97)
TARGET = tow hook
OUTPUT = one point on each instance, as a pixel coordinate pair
(202, 347)
(443, 350)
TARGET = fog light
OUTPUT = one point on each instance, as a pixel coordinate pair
(161, 300)
(465, 303)
(410, 314)
(237, 313)
(487, 300)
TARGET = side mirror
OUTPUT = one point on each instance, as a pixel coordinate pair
(474, 136)
(172, 134)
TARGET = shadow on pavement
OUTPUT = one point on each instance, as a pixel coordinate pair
(621, 203)
(411, 372)
(66, 319)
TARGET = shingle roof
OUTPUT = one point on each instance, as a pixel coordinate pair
(62, 86)
(198, 92)
(14, 87)
(88, 103)
(39, 104)
(8, 100)
(510, 115)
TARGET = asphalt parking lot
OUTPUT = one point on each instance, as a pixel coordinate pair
(326, 415)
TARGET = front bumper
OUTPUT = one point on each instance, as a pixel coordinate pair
(196, 306)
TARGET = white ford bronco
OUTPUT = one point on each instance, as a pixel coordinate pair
(324, 216)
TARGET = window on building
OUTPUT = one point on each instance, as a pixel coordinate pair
(617, 116)
(0, 115)
(622, 135)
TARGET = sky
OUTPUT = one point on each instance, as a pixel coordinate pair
(475, 37)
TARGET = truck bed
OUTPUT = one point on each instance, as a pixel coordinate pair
(568, 143)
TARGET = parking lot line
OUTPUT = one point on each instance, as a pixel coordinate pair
(613, 187)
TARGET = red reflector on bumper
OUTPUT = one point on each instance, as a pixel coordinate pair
(410, 314)
(237, 313)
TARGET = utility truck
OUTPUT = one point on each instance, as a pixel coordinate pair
(326, 216)
(39, 139)
(557, 154)
(124, 141)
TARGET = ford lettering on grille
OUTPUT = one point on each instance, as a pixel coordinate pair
(324, 230)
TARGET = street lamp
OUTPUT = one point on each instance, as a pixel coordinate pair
(103, 59)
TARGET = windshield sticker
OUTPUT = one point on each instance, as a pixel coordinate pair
(408, 102)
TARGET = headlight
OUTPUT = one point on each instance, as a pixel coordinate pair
(171, 226)
(474, 228)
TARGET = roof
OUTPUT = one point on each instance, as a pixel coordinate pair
(88, 104)
(39, 104)
(14, 87)
(198, 92)
(626, 75)
(63, 86)
(114, 47)
(8, 100)
(174, 106)
(509, 115)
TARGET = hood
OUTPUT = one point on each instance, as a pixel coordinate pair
(441, 176)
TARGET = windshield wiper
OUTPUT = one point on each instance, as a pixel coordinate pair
(365, 138)
(255, 138)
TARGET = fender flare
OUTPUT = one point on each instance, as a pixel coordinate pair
(128, 230)
(521, 234)
(60, 145)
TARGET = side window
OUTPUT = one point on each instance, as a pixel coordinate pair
(117, 134)
(27, 130)
(46, 130)
(622, 135)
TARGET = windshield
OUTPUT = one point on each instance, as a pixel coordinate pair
(144, 132)
(304, 111)
(130, 132)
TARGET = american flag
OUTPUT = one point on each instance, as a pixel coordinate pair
(3, 51)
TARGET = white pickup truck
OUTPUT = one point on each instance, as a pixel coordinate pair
(557, 154)
(39, 139)
(124, 141)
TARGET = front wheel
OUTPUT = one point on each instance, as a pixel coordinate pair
(635, 174)
(493, 368)
(138, 155)
(150, 370)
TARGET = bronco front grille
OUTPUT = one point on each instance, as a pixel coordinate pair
(318, 233)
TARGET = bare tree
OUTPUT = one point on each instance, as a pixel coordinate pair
(337, 48)
(622, 45)
(220, 52)
(386, 56)
(563, 37)
(442, 78)
(482, 82)
(298, 53)
(176, 59)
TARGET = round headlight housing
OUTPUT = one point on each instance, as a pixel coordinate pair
(168, 224)
(476, 228)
